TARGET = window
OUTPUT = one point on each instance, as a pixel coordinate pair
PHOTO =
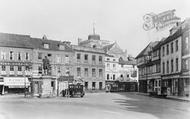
(114, 66)
(86, 85)
(100, 59)
(163, 51)
(163, 67)
(186, 43)
(167, 50)
(11, 68)
(66, 58)
(85, 57)
(113, 76)
(27, 56)
(185, 64)
(100, 73)
(78, 56)
(40, 69)
(172, 47)
(127, 75)
(93, 72)
(78, 71)
(108, 65)
(3, 55)
(94, 46)
(176, 45)
(58, 69)
(93, 58)
(86, 72)
(39, 55)
(11, 55)
(19, 68)
(46, 46)
(49, 55)
(93, 85)
(52, 83)
(113, 59)
(108, 59)
(19, 56)
(3, 68)
(27, 68)
(176, 64)
(167, 66)
(172, 65)
(108, 77)
(58, 58)
(67, 71)
(61, 47)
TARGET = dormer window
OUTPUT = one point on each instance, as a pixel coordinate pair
(46, 46)
(61, 47)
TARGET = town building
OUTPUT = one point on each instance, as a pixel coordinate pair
(145, 66)
(186, 58)
(166, 63)
(89, 67)
(59, 56)
(16, 53)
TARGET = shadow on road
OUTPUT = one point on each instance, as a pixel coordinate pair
(161, 108)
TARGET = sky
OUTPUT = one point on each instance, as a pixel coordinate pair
(68, 20)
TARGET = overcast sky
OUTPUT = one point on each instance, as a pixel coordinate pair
(116, 20)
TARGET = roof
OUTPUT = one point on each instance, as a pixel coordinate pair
(87, 49)
(38, 43)
(127, 62)
(15, 40)
(179, 31)
(143, 52)
(108, 47)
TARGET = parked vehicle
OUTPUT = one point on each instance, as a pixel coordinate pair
(74, 90)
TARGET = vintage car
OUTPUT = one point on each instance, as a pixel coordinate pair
(74, 90)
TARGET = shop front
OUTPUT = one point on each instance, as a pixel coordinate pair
(15, 85)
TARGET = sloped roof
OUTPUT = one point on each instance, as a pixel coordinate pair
(108, 47)
(127, 62)
(15, 40)
(87, 49)
(143, 52)
(38, 43)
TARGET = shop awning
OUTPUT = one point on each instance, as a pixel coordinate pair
(16, 82)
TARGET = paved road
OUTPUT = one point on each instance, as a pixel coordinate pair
(93, 106)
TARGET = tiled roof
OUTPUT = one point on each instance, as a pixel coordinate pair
(143, 52)
(15, 40)
(38, 43)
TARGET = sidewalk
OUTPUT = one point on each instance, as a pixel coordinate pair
(177, 98)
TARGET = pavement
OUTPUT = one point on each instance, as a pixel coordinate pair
(93, 106)
(177, 98)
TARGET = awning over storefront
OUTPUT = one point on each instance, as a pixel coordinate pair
(16, 82)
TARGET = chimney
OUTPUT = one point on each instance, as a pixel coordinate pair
(79, 40)
(44, 37)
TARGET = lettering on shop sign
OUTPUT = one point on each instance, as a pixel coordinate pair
(160, 21)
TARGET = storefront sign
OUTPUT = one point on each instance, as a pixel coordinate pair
(160, 21)
(16, 81)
